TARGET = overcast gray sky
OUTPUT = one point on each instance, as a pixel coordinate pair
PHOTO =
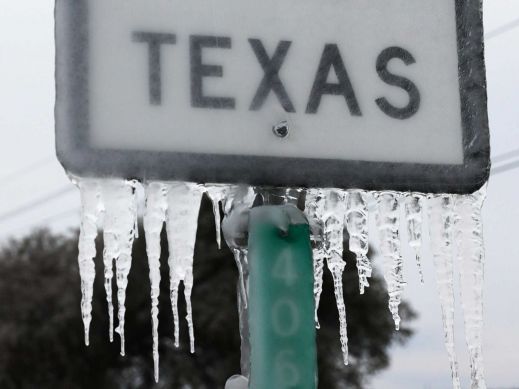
(30, 174)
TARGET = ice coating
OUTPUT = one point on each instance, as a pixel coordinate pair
(239, 200)
(291, 196)
(120, 223)
(280, 196)
(326, 209)
(111, 245)
(181, 224)
(314, 210)
(154, 218)
(357, 225)
(241, 259)
(388, 220)
(238, 196)
(334, 237)
(90, 210)
(453, 218)
(441, 223)
(118, 232)
(236, 205)
(413, 206)
(318, 281)
(217, 193)
(471, 258)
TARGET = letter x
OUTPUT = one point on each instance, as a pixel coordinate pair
(271, 81)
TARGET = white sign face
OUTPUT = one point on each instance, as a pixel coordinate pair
(371, 92)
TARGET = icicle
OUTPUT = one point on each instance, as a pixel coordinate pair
(241, 259)
(119, 232)
(181, 223)
(238, 200)
(441, 220)
(154, 218)
(292, 196)
(314, 209)
(217, 193)
(90, 209)
(279, 196)
(243, 321)
(357, 225)
(111, 247)
(238, 197)
(471, 257)
(318, 279)
(413, 215)
(334, 239)
(236, 204)
(388, 222)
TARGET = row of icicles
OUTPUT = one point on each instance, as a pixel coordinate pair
(113, 204)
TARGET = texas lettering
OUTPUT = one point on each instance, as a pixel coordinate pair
(331, 64)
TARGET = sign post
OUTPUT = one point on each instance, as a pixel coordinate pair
(281, 303)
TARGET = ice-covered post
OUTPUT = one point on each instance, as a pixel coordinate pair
(281, 301)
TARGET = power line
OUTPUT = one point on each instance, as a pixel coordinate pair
(59, 216)
(505, 156)
(27, 169)
(45, 221)
(504, 168)
(36, 203)
(502, 30)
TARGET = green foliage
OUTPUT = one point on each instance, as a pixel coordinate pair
(41, 333)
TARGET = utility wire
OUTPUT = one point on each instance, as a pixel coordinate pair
(504, 168)
(26, 170)
(36, 203)
(59, 216)
(62, 215)
(503, 157)
(502, 30)
(46, 221)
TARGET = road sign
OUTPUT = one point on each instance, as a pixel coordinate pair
(367, 94)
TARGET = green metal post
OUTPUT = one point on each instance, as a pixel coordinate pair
(281, 301)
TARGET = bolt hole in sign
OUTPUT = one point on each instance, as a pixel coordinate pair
(379, 94)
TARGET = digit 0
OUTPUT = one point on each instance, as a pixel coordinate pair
(285, 317)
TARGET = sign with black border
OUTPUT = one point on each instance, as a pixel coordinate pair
(82, 157)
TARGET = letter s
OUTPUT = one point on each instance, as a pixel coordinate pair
(399, 81)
